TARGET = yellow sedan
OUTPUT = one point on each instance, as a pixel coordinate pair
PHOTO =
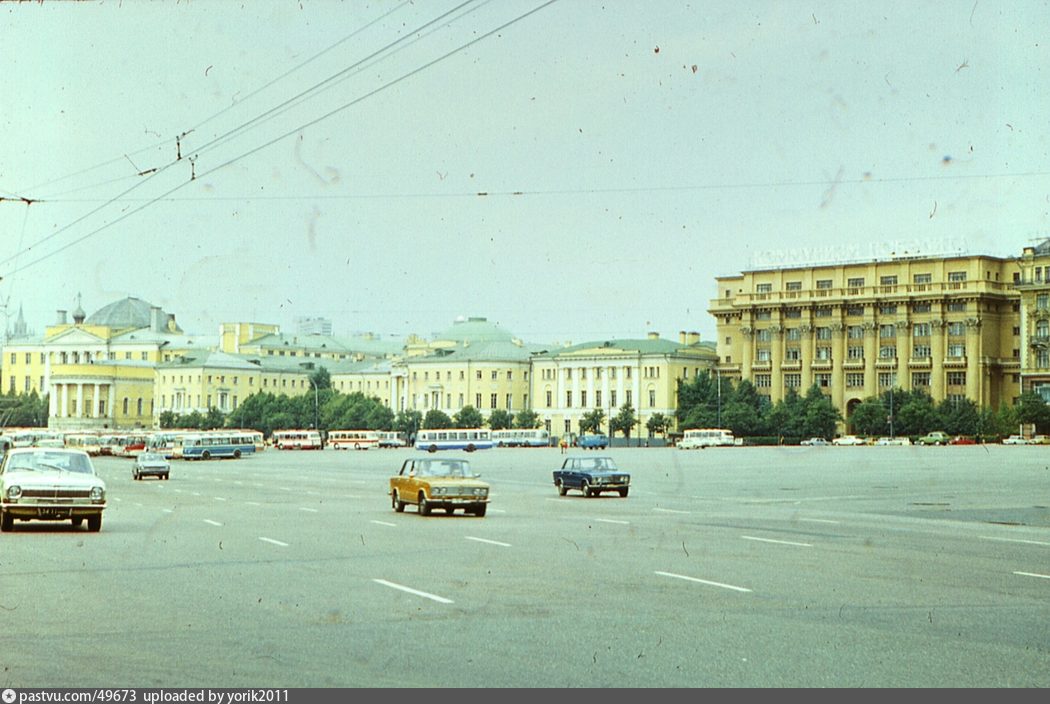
(447, 484)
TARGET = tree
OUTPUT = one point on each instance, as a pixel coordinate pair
(698, 401)
(168, 418)
(527, 419)
(1031, 408)
(870, 417)
(624, 421)
(959, 417)
(213, 419)
(408, 422)
(321, 379)
(819, 415)
(436, 420)
(592, 421)
(785, 417)
(468, 417)
(658, 424)
(500, 419)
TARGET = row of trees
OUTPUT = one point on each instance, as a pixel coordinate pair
(23, 410)
(915, 413)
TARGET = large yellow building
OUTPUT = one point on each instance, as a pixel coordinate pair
(975, 327)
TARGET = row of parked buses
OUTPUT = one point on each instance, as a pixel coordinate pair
(189, 444)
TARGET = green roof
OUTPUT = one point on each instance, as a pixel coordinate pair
(642, 346)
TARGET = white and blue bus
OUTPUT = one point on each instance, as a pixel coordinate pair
(468, 439)
(521, 438)
(207, 445)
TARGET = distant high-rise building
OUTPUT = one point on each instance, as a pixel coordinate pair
(313, 326)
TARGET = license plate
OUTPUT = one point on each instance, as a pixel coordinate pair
(54, 513)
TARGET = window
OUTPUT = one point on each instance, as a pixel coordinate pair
(477, 375)
(28, 384)
(127, 355)
(1042, 328)
(822, 313)
(509, 402)
(14, 358)
(922, 278)
(568, 399)
(492, 401)
(956, 378)
(854, 311)
(887, 379)
(957, 276)
(764, 335)
(494, 376)
(855, 332)
(889, 309)
(612, 398)
(29, 357)
(1042, 360)
(568, 374)
(855, 282)
(652, 398)
(823, 283)
(510, 375)
(549, 399)
(888, 280)
(630, 397)
(824, 353)
(138, 409)
(887, 331)
(922, 307)
(956, 350)
(477, 400)
(763, 288)
(792, 354)
(920, 379)
(145, 356)
(792, 381)
(598, 398)
(855, 352)
(793, 334)
(793, 285)
(921, 330)
(824, 333)
(956, 306)
(763, 315)
(793, 313)
(1042, 301)
(763, 381)
(583, 399)
(1017, 329)
(887, 352)
(125, 409)
(823, 380)
(956, 329)
(854, 380)
(921, 351)
(762, 355)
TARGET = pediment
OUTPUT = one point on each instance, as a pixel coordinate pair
(75, 336)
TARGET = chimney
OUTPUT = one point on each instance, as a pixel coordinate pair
(692, 338)
(61, 319)
(154, 319)
(172, 327)
(681, 337)
(653, 335)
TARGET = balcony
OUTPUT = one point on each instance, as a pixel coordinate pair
(886, 363)
(853, 364)
(955, 362)
(761, 366)
(920, 363)
(820, 364)
(791, 365)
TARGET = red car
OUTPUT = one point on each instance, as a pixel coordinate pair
(962, 440)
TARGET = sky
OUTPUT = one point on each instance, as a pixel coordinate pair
(572, 171)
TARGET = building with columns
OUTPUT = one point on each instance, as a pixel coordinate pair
(975, 327)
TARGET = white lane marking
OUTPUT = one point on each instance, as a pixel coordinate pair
(611, 520)
(138, 504)
(384, 523)
(669, 510)
(196, 493)
(1033, 574)
(214, 523)
(167, 510)
(778, 542)
(219, 498)
(117, 498)
(560, 500)
(1014, 540)
(314, 493)
(178, 491)
(485, 540)
(253, 503)
(703, 581)
(403, 588)
(818, 520)
(285, 488)
(275, 542)
(497, 510)
(311, 510)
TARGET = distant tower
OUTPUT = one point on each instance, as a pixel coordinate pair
(20, 329)
(78, 313)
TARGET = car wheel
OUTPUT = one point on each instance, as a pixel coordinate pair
(77, 521)
(94, 523)
(470, 448)
(562, 489)
(479, 510)
(424, 505)
(623, 492)
(167, 475)
(205, 455)
(396, 502)
(432, 448)
(7, 521)
(236, 454)
(450, 510)
(135, 476)
(585, 488)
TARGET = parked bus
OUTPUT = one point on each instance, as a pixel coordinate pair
(521, 438)
(699, 438)
(297, 440)
(353, 439)
(88, 442)
(208, 445)
(129, 446)
(391, 438)
(468, 439)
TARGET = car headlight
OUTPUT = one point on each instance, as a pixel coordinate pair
(97, 493)
(438, 491)
(481, 491)
(14, 491)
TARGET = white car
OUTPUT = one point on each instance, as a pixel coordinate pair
(1015, 440)
(814, 442)
(893, 441)
(848, 440)
(50, 484)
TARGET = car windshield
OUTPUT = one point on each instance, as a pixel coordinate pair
(442, 468)
(597, 463)
(150, 457)
(44, 461)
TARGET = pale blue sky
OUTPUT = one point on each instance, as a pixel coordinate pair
(806, 129)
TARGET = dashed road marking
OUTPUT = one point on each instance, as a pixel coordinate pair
(274, 542)
(669, 510)
(311, 510)
(704, 581)
(384, 523)
(219, 498)
(818, 520)
(612, 520)
(1033, 574)
(211, 522)
(490, 542)
(778, 542)
(410, 590)
(1014, 540)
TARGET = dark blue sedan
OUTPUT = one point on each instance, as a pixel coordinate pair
(591, 476)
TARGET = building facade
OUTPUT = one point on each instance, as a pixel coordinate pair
(974, 327)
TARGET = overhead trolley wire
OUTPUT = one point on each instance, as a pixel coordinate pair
(270, 142)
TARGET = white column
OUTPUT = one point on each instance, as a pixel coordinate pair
(80, 401)
(109, 403)
(94, 402)
(52, 401)
(63, 409)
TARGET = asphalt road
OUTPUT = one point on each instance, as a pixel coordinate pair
(869, 566)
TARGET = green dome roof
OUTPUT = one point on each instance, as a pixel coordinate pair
(474, 330)
(126, 313)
